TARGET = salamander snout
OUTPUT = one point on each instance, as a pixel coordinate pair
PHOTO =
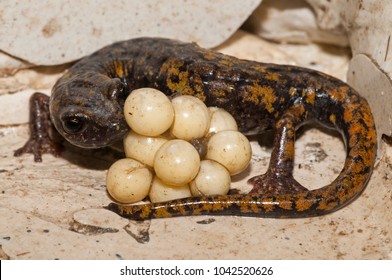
(89, 128)
(87, 111)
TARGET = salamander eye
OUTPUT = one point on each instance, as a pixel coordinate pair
(74, 124)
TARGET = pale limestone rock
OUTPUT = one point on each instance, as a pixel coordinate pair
(293, 21)
(99, 219)
(376, 85)
(369, 27)
(53, 32)
(9, 65)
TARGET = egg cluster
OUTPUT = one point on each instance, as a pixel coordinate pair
(162, 160)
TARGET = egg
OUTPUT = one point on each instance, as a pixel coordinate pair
(176, 162)
(192, 119)
(128, 181)
(161, 191)
(148, 112)
(212, 179)
(231, 149)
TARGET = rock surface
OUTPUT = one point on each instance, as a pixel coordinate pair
(68, 30)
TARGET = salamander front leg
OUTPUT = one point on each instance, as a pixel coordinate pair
(279, 177)
(40, 141)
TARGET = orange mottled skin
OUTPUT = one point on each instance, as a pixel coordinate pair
(86, 108)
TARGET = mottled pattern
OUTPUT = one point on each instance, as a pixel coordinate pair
(86, 108)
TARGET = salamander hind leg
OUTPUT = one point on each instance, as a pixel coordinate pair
(279, 177)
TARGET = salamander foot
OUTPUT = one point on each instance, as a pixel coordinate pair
(41, 139)
(40, 147)
(275, 183)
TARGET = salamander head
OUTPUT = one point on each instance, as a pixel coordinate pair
(88, 110)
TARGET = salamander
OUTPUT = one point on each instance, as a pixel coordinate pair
(86, 108)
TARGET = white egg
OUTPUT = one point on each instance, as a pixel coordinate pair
(231, 149)
(191, 120)
(142, 148)
(148, 112)
(213, 178)
(161, 191)
(176, 162)
(128, 181)
(221, 120)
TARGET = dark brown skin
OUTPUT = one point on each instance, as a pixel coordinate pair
(86, 108)
(40, 141)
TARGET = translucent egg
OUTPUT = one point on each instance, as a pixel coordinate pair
(221, 120)
(161, 191)
(148, 112)
(192, 119)
(142, 148)
(176, 162)
(128, 181)
(213, 178)
(231, 149)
